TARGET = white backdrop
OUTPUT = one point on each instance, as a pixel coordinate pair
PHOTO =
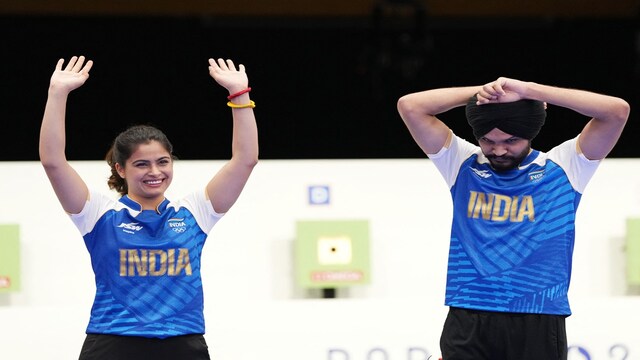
(253, 308)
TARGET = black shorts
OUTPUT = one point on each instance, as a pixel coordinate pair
(483, 335)
(114, 347)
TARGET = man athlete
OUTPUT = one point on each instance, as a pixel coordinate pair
(514, 209)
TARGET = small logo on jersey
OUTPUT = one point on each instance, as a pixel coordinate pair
(177, 225)
(130, 228)
(536, 176)
(482, 173)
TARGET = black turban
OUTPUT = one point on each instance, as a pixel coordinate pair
(523, 118)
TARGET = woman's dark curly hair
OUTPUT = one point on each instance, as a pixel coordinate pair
(126, 144)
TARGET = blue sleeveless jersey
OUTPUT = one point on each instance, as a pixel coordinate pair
(146, 264)
(513, 231)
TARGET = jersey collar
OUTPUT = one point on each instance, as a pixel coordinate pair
(125, 199)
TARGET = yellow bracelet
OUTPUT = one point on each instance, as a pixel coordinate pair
(251, 104)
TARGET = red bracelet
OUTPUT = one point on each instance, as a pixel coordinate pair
(239, 93)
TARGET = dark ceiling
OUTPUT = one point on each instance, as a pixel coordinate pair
(326, 75)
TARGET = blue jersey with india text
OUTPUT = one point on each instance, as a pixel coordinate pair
(513, 231)
(146, 264)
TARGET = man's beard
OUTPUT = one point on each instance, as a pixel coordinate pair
(504, 163)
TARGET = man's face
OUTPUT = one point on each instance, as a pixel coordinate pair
(504, 151)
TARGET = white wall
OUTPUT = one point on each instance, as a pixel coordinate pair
(253, 308)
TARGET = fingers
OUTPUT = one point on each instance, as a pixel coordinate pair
(224, 65)
(78, 65)
(59, 64)
(485, 95)
(213, 65)
(75, 64)
(482, 97)
(492, 92)
(493, 89)
(71, 63)
(87, 67)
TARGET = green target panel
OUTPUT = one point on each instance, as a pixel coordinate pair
(332, 254)
(633, 252)
(9, 258)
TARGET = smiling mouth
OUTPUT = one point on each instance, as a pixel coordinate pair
(153, 182)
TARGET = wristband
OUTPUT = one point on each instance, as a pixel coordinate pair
(239, 93)
(251, 104)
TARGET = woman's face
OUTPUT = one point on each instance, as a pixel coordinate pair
(148, 173)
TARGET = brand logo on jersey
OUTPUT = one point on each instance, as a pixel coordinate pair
(482, 173)
(536, 176)
(177, 225)
(155, 262)
(497, 207)
(130, 227)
